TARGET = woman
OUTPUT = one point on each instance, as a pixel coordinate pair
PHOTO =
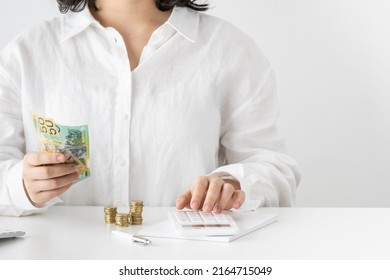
(180, 108)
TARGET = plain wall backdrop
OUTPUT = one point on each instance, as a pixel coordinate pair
(332, 63)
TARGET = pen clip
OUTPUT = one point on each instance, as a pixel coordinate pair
(140, 240)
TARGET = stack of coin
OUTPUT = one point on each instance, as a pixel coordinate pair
(109, 214)
(122, 219)
(136, 207)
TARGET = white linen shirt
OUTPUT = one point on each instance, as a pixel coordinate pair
(202, 100)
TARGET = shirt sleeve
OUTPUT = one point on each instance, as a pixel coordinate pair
(252, 149)
(13, 198)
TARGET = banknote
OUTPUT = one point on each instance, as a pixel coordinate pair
(72, 141)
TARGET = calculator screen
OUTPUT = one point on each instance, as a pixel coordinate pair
(208, 225)
(203, 224)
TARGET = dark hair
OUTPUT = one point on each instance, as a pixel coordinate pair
(162, 5)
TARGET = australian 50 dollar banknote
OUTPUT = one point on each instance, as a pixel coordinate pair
(72, 141)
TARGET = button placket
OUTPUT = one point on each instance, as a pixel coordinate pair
(122, 117)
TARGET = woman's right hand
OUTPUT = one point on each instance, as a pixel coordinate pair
(46, 176)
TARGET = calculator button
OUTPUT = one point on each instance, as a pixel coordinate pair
(221, 217)
(182, 216)
(194, 216)
(208, 217)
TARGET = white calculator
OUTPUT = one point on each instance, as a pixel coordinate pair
(203, 224)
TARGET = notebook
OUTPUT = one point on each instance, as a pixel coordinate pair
(246, 221)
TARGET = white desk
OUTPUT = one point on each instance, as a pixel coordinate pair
(300, 233)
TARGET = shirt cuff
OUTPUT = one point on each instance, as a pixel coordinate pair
(236, 170)
(18, 194)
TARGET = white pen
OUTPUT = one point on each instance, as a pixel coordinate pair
(135, 238)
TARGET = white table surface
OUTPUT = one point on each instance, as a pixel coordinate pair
(300, 233)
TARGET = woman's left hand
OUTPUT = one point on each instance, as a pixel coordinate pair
(216, 192)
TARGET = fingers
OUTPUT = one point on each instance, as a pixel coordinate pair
(228, 192)
(211, 193)
(236, 200)
(45, 196)
(37, 159)
(198, 191)
(41, 191)
(184, 200)
(51, 171)
(240, 198)
(53, 184)
(45, 176)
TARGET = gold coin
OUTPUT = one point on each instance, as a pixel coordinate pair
(136, 203)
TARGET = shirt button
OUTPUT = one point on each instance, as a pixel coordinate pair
(122, 162)
(125, 116)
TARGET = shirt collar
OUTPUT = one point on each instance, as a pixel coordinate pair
(74, 23)
(184, 20)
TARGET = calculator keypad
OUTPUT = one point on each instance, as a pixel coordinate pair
(201, 217)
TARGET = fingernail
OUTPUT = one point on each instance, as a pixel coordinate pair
(217, 208)
(207, 208)
(236, 205)
(194, 205)
(61, 158)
